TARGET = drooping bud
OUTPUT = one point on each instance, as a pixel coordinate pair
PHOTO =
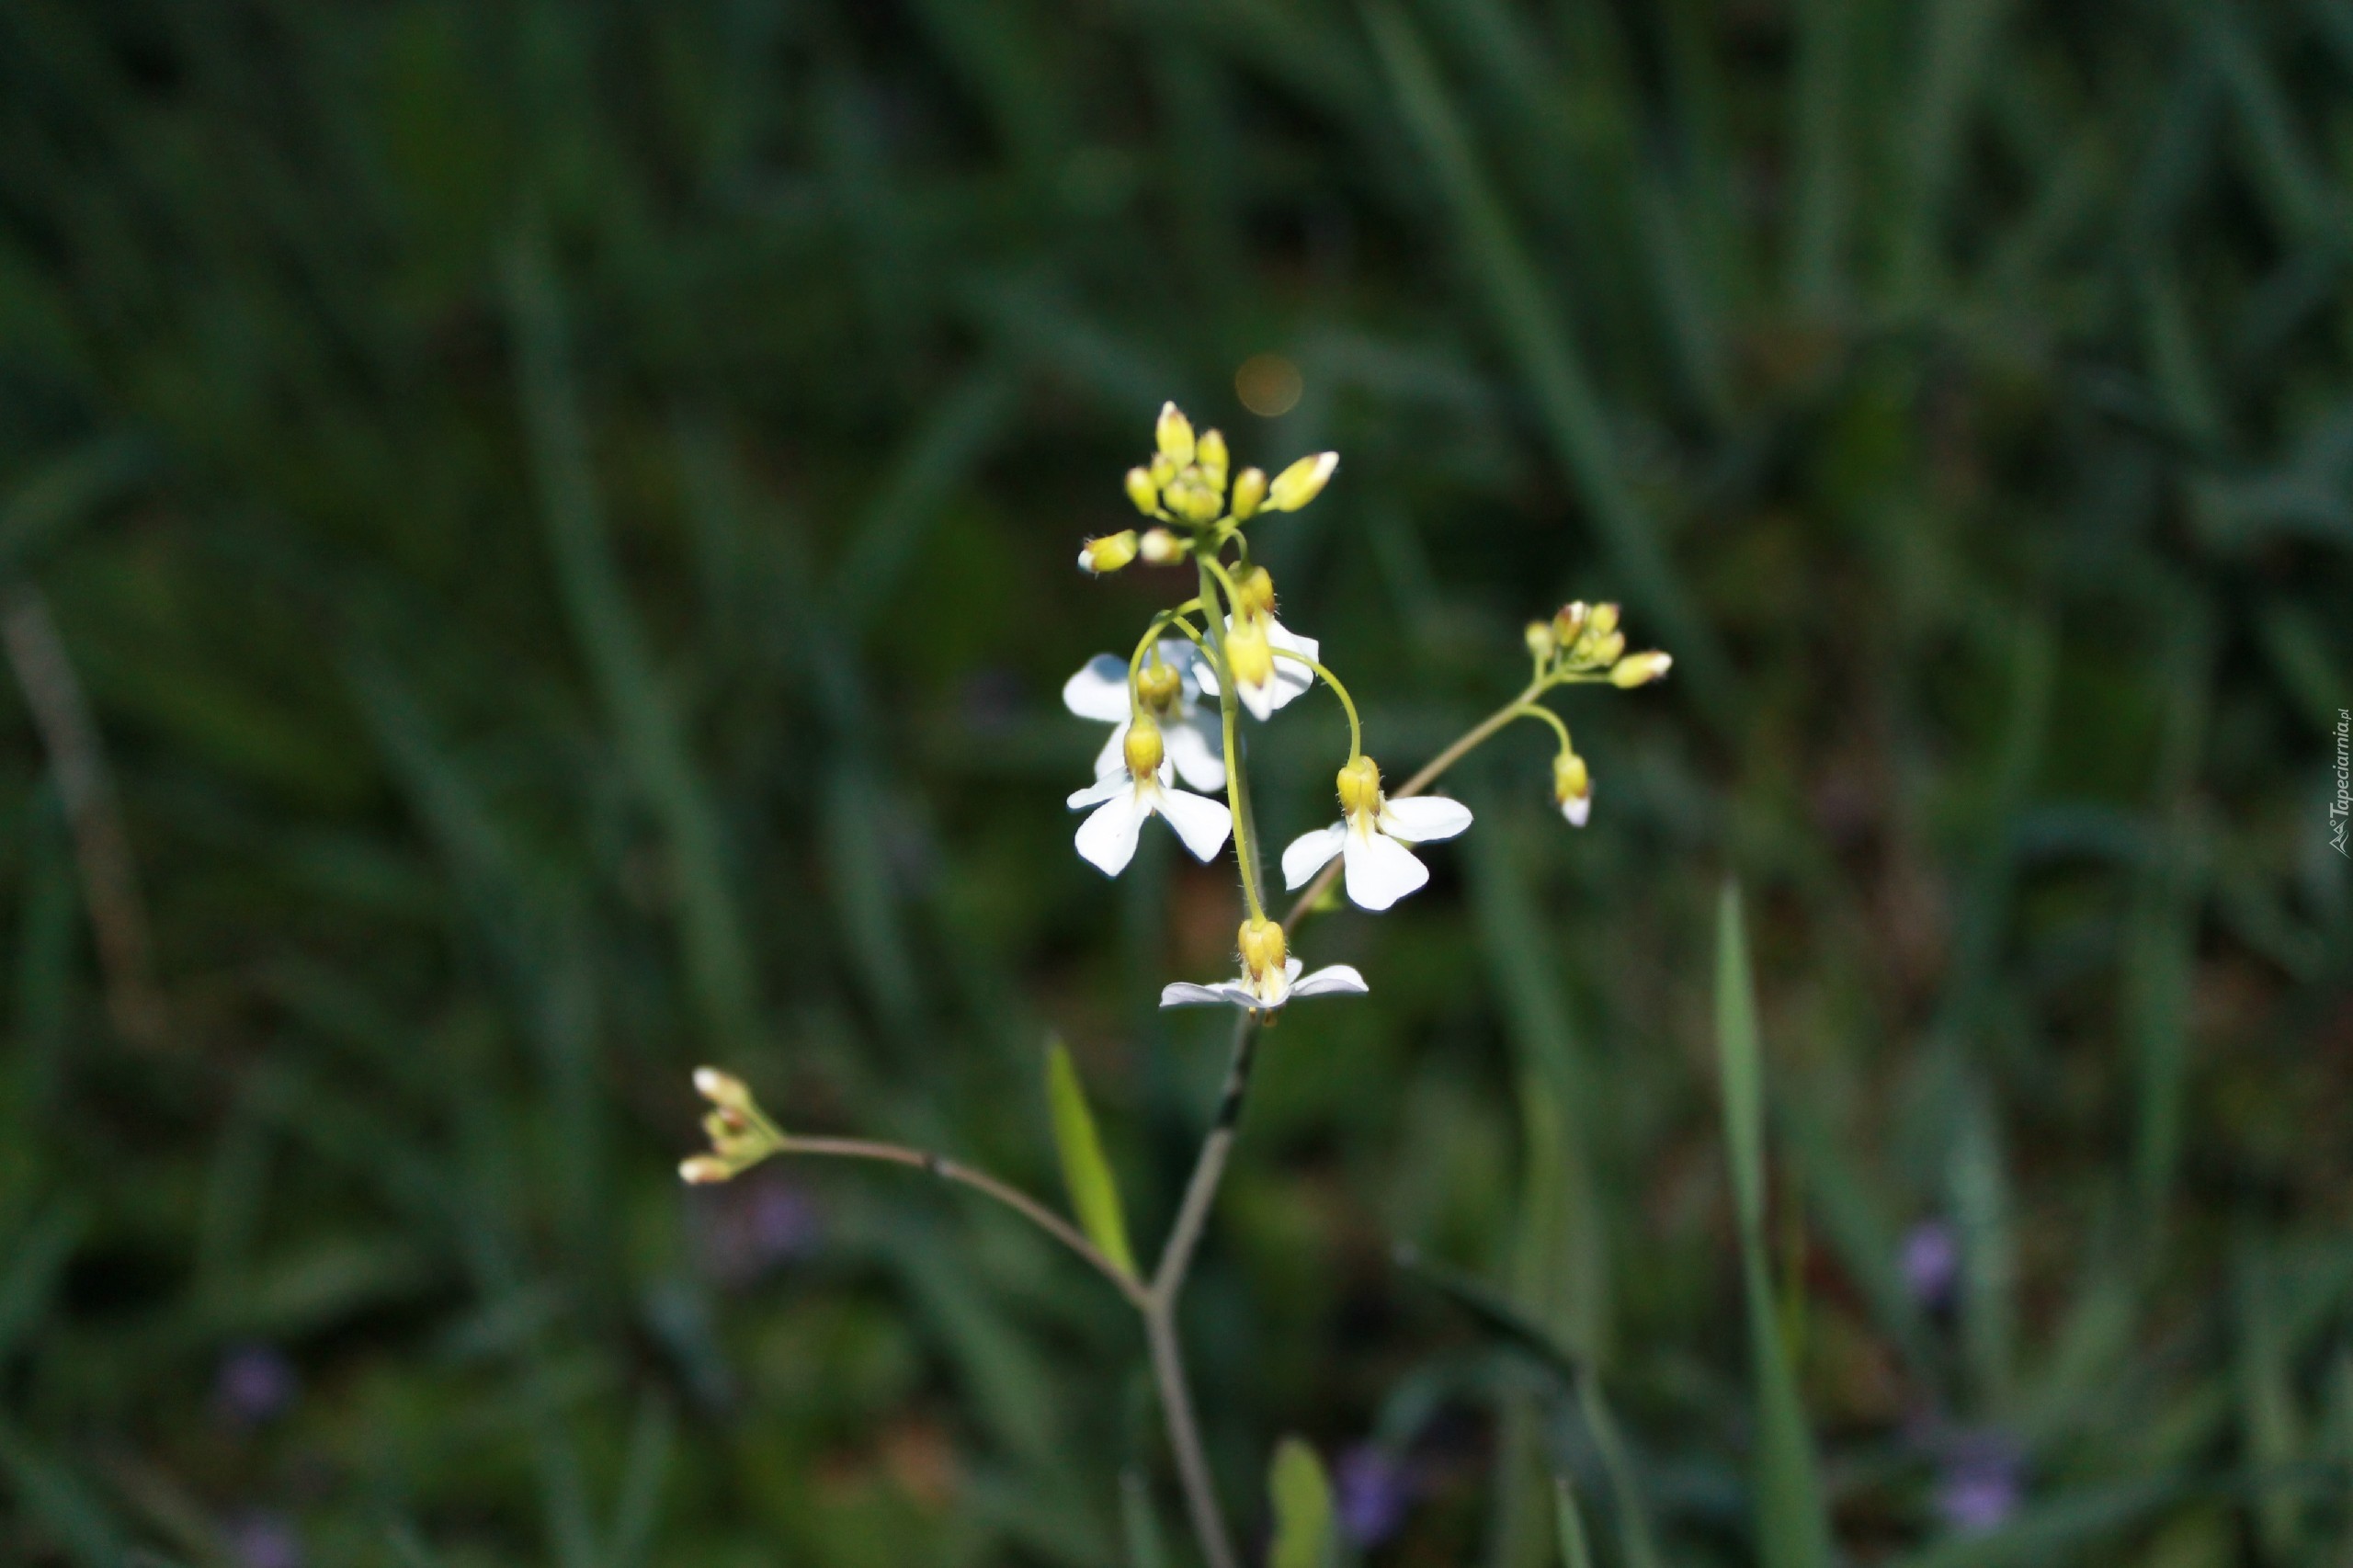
(1301, 483)
(1246, 652)
(1210, 452)
(722, 1089)
(1108, 554)
(1143, 748)
(1541, 640)
(1254, 592)
(1159, 547)
(1263, 950)
(1360, 787)
(1174, 436)
(1143, 490)
(1571, 788)
(1158, 685)
(1249, 493)
(704, 1170)
(1640, 669)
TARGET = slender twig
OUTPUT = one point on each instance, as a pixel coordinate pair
(101, 848)
(981, 1182)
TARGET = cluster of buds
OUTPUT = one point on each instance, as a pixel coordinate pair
(741, 1133)
(1583, 640)
(1186, 484)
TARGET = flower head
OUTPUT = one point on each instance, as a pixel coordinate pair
(1169, 686)
(1372, 836)
(1139, 789)
(1270, 976)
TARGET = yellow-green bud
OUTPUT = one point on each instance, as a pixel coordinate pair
(1604, 651)
(1568, 623)
(1174, 436)
(1254, 592)
(1160, 470)
(1263, 950)
(1157, 685)
(1159, 547)
(1143, 749)
(1571, 788)
(703, 1170)
(1210, 452)
(722, 1089)
(1603, 621)
(1246, 652)
(1360, 787)
(1249, 491)
(1540, 641)
(1190, 498)
(1143, 490)
(1301, 483)
(1640, 669)
(1108, 554)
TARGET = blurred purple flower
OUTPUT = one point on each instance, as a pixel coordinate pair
(1931, 1264)
(1374, 1492)
(1983, 1481)
(256, 1384)
(751, 1225)
(264, 1540)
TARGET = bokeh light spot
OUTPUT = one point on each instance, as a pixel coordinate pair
(1267, 384)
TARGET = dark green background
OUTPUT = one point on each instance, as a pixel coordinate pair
(563, 517)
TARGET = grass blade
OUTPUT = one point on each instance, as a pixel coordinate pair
(1094, 1195)
(1301, 1499)
(1573, 1552)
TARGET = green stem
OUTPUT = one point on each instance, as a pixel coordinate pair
(1538, 710)
(1355, 731)
(1237, 789)
(1160, 623)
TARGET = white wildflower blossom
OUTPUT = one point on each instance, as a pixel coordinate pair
(1270, 977)
(1170, 685)
(1372, 836)
(1143, 788)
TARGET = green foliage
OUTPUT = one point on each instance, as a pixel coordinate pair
(558, 520)
(1086, 1173)
(1300, 1498)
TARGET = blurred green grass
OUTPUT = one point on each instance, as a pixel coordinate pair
(561, 514)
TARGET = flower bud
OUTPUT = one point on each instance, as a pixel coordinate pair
(1568, 623)
(1143, 749)
(1571, 788)
(1108, 554)
(1174, 436)
(1541, 640)
(1263, 950)
(1210, 452)
(1604, 651)
(1254, 592)
(1301, 483)
(1603, 621)
(1249, 491)
(1360, 787)
(704, 1170)
(1190, 498)
(1157, 685)
(1246, 652)
(1144, 491)
(722, 1089)
(1640, 669)
(1161, 471)
(1159, 547)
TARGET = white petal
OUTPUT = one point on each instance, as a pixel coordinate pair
(1113, 757)
(1106, 840)
(1197, 748)
(1205, 675)
(1381, 870)
(1424, 819)
(1291, 677)
(1310, 853)
(1185, 993)
(1201, 821)
(1105, 787)
(1099, 690)
(1577, 808)
(1263, 698)
(1332, 980)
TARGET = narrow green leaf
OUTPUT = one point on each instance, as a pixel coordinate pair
(1084, 1171)
(1573, 1552)
(1302, 1504)
(1792, 1525)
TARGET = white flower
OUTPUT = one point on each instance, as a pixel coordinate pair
(1107, 839)
(1573, 787)
(1195, 738)
(1372, 836)
(1263, 682)
(1270, 977)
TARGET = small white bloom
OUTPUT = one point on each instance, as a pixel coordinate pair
(1195, 737)
(1372, 836)
(1107, 839)
(1269, 976)
(1276, 681)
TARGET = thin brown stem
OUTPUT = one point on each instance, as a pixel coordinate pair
(1013, 1197)
(1185, 1439)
